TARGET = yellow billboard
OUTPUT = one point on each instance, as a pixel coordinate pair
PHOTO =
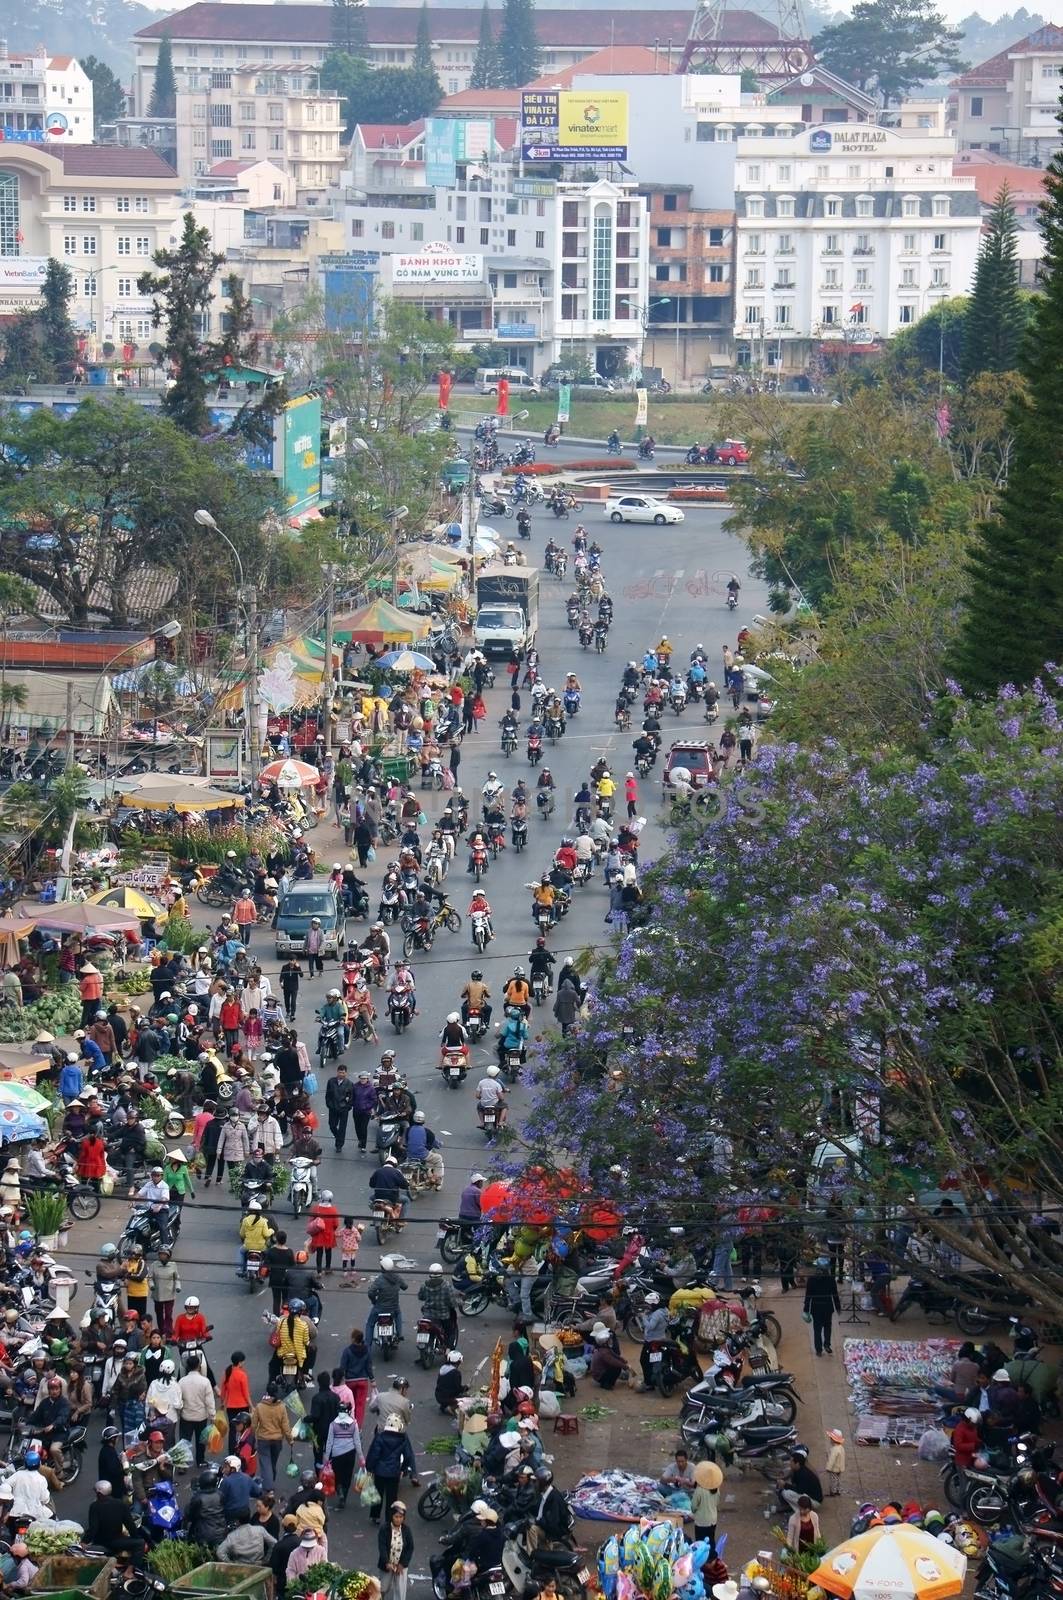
(561, 125)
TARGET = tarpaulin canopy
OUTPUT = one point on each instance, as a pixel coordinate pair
(12, 929)
(126, 898)
(379, 622)
(165, 791)
(290, 774)
(894, 1562)
(429, 572)
(68, 917)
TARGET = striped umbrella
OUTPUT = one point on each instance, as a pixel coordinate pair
(894, 1562)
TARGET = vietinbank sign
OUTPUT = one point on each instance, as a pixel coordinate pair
(437, 264)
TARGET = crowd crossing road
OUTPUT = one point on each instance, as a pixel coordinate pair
(668, 579)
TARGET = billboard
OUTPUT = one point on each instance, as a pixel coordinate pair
(437, 264)
(349, 279)
(561, 125)
(448, 140)
(298, 438)
(22, 272)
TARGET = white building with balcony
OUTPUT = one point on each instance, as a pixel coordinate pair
(845, 235)
(44, 97)
(1009, 104)
(600, 255)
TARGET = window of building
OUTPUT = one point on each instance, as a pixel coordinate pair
(784, 172)
(70, 202)
(218, 52)
(661, 274)
(247, 138)
(387, 230)
(509, 280)
(511, 237)
(125, 288)
(602, 264)
(865, 206)
(276, 141)
(715, 273)
(940, 207)
(753, 316)
(1048, 71)
(862, 277)
(664, 238)
(485, 235)
(861, 314)
(247, 111)
(199, 138)
(976, 105)
(122, 203)
(540, 240)
(822, 171)
(70, 244)
(754, 244)
(88, 244)
(192, 51)
(940, 242)
(124, 244)
(905, 314)
(908, 277)
(670, 202)
(754, 208)
(784, 245)
(754, 278)
(939, 278)
(784, 206)
(863, 243)
(459, 235)
(829, 315)
(143, 245)
(910, 206)
(88, 288)
(908, 243)
(830, 277)
(276, 111)
(832, 245)
(221, 116)
(715, 238)
(753, 172)
(832, 207)
(783, 278)
(88, 202)
(357, 228)
(416, 231)
(221, 149)
(783, 316)
(199, 113)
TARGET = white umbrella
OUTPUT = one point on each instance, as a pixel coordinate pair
(758, 674)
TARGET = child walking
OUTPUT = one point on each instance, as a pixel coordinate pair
(835, 1461)
(253, 1034)
(350, 1238)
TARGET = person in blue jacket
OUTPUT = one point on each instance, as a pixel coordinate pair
(389, 1458)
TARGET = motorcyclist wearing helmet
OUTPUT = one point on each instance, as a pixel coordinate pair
(476, 996)
(541, 960)
(513, 1035)
(655, 1331)
(452, 1035)
(543, 898)
(191, 1326)
(517, 993)
(422, 1146)
(492, 790)
(480, 906)
(491, 1094)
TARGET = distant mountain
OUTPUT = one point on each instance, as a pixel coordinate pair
(983, 39)
(102, 28)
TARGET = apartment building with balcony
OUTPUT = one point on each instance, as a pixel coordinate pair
(43, 97)
(845, 235)
(689, 301)
(1009, 104)
(599, 244)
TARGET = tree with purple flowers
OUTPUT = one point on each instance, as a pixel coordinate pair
(863, 944)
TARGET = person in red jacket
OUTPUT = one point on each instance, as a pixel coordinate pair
(631, 795)
(322, 1228)
(967, 1438)
(230, 1019)
(191, 1326)
(92, 1160)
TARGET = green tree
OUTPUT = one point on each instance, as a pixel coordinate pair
(57, 330)
(183, 290)
(163, 101)
(348, 27)
(934, 343)
(112, 491)
(888, 47)
(518, 44)
(422, 49)
(1014, 620)
(996, 317)
(485, 66)
(381, 94)
(24, 357)
(108, 96)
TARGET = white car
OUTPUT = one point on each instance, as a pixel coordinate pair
(641, 508)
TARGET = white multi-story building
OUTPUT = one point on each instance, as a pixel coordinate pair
(1010, 103)
(845, 235)
(44, 97)
(268, 111)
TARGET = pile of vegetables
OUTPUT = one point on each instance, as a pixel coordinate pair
(56, 1013)
(322, 1577)
(279, 1185)
(133, 983)
(51, 1541)
(172, 1559)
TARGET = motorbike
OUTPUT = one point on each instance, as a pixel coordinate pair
(254, 1271)
(572, 699)
(385, 1333)
(454, 1065)
(544, 801)
(400, 1010)
(390, 1129)
(431, 1344)
(491, 1289)
(518, 833)
(431, 778)
(645, 451)
(601, 637)
(672, 1361)
(454, 1238)
(301, 1184)
(572, 613)
(527, 1569)
(489, 1121)
(612, 447)
(539, 988)
(475, 1026)
(1015, 1569)
(543, 920)
(147, 1228)
(677, 699)
(512, 1061)
(479, 862)
(419, 936)
(935, 1301)
(559, 507)
(535, 749)
(329, 1041)
(554, 729)
(509, 741)
(643, 762)
(732, 600)
(481, 933)
(107, 1298)
(586, 637)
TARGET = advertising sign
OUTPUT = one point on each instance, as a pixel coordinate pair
(349, 280)
(440, 152)
(56, 125)
(820, 139)
(437, 264)
(515, 330)
(642, 409)
(564, 402)
(560, 125)
(22, 272)
(224, 754)
(300, 428)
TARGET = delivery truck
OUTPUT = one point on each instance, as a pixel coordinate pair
(507, 609)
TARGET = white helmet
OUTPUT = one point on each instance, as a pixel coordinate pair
(652, 1299)
(453, 1016)
(434, 1270)
(387, 1263)
(492, 1071)
(192, 1303)
(454, 1357)
(166, 1369)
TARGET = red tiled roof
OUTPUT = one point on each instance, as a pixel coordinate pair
(1047, 38)
(111, 161)
(59, 63)
(507, 132)
(638, 59)
(997, 70)
(1026, 185)
(390, 135)
(228, 169)
(397, 25)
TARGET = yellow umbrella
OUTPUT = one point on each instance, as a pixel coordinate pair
(12, 929)
(894, 1562)
(127, 898)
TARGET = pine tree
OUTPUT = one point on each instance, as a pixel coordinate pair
(1014, 614)
(163, 102)
(348, 27)
(422, 50)
(57, 330)
(183, 289)
(995, 319)
(518, 46)
(485, 67)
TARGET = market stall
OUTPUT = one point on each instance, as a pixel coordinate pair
(381, 623)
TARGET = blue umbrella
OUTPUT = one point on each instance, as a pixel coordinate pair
(405, 661)
(17, 1123)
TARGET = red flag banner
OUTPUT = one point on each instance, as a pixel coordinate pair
(503, 397)
(445, 382)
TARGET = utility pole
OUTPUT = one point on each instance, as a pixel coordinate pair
(69, 725)
(470, 531)
(326, 670)
(252, 690)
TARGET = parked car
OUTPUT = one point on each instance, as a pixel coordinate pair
(641, 508)
(594, 381)
(300, 905)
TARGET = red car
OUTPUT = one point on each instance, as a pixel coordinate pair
(732, 453)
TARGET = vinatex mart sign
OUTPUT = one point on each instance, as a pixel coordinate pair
(561, 125)
(435, 265)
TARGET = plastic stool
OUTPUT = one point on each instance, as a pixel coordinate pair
(565, 1422)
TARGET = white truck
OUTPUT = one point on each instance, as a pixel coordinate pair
(507, 609)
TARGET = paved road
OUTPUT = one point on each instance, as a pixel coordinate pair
(660, 580)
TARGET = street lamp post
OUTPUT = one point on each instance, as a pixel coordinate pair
(166, 630)
(247, 600)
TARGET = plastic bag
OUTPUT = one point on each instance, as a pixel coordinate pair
(295, 1405)
(933, 1445)
(370, 1495)
(107, 1182)
(215, 1442)
(361, 1478)
(310, 1082)
(370, 854)
(328, 1478)
(549, 1404)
